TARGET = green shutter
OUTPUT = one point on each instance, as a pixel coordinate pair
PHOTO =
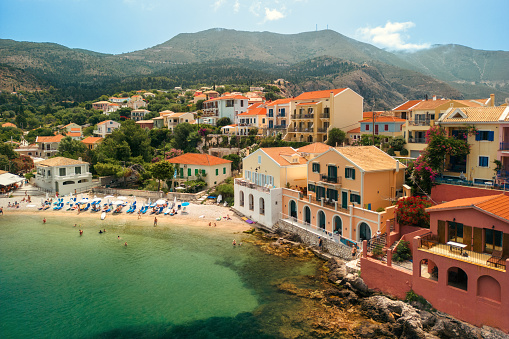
(196, 172)
(188, 172)
(217, 171)
(353, 174)
(224, 170)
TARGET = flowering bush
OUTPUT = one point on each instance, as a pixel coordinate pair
(173, 153)
(411, 211)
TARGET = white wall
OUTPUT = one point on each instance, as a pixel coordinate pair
(273, 204)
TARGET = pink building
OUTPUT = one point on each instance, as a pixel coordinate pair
(459, 265)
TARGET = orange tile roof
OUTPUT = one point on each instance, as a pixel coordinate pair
(473, 103)
(317, 147)
(278, 155)
(407, 105)
(497, 205)
(255, 111)
(53, 138)
(430, 104)
(60, 161)
(75, 129)
(103, 122)
(319, 94)
(474, 114)
(384, 119)
(308, 103)
(74, 134)
(8, 124)
(228, 97)
(255, 105)
(92, 140)
(198, 159)
(370, 114)
(279, 102)
(355, 130)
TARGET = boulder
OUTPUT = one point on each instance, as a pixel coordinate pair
(357, 284)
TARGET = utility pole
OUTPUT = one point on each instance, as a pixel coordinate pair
(374, 115)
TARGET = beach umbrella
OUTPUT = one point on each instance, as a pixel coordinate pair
(118, 202)
(160, 202)
(109, 196)
(185, 204)
(83, 201)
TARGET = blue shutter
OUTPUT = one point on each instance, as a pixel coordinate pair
(477, 136)
(491, 136)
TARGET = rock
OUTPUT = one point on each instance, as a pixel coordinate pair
(370, 330)
(341, 298)
(357, 284)
(492, 333)
(337, 274)
(427, 319)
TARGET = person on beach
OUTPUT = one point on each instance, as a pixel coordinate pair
(354, 251)
(214, 224)
(139, 214)
(320, 243)
(75, 225)
(234, 242)
(81, 232)
(118, 237)
(210, 223)
(155, 221)
(44, 220)
(100, 232)
(2, 211)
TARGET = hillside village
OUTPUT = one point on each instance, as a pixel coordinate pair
(428, 176)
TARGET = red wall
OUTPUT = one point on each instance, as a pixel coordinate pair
(444, 192)
(391, 280)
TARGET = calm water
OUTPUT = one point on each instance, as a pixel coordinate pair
(167, 283)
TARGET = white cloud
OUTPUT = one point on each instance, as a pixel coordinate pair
(274, 14)
(218, 4)
(390, 36)
(236, 6)
(255, 8)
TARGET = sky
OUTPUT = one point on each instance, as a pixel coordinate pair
(121, 26)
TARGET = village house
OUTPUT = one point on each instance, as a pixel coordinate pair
(228, 106)
(278, 117)
(92, 142)
(139, 114)
(63, 175)
(254, 118)
(48, 145)
(194, 166)
(106, 127)
(173, 119)
(148, 124)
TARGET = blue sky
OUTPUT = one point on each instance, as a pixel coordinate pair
(119, 26)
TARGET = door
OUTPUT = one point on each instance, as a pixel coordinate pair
(293, 209)
(332, 173)
(364, 232)
(307, 215)
(376, 129)
(344, 200)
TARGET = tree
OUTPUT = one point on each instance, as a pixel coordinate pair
(223, 122)
(253, 131)
(71, 148)
(161, 170)
(235, 159)
(397, 143)
(336, 137)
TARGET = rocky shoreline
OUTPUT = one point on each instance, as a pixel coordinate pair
(348, 308)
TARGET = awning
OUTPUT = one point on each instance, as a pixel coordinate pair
(7, 179)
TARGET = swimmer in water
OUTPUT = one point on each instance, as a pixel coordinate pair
(44, 220)
(125, 244)
(100, 231)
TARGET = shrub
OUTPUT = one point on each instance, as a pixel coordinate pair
(411, 211)
(403, 252)
(380, 209)
(403, 152)
(391, 152)
(377, 250)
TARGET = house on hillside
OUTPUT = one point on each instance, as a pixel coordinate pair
(92, 142)
(253, 118)
(106, 127)
(48, 145)
(278, 117)
(193, 166)
(139, 114)
(225, 107)
(63, 175)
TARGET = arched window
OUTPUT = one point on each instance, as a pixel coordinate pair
(321, 220)
(241, 199)
(82, 180)
(307, 215)
(429, 269)
(292, 209)
(488, 287)
(262, 206)
(251, 202)
(337, 225)
(68, 183)
(456, 277)
(364, 232)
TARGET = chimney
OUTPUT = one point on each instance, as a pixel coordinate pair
(434, 98)
(79, 159)
(492, 100)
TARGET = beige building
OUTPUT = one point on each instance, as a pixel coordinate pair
(106, 127)
(278, 116)
(315, 113)
(192, 166)
(63, 175)
(173, 119)
(48, 146)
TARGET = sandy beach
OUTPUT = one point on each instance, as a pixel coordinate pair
(195, 215)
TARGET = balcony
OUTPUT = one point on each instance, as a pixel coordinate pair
(330, 179)
(322, 130)
(417, 140)
(244, 183)
(325, 116)
(504, 146)
(430, 243)
(281, 115)
(300, 129)
(303, 116)
(426, 122)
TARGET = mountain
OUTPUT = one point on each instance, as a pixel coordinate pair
(311, 60)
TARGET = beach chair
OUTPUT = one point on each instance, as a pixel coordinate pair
(87, 207)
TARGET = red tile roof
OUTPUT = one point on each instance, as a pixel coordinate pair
(92, 140)
(496, 205)
(198, 159)
(308, 103)
(355, 130)
(319, 94)
(8, 124)
(317, 147)
(279, 102)
(370, 114)
(228, 97)
(53, 138)
(407, 105)
(255, 111)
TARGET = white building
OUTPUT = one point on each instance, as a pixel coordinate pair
(258, 203)
(63, 175)
(139, 114)
(106, 127)
(225, 107)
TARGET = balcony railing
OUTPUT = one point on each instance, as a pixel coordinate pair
(281, 115)
(330, 179)
(251, 185)
(300, 129)
(430, 243)
(322, 130)
(504, 146)
(426, 122)
(417, 140)
(325, 115)
(303, 116)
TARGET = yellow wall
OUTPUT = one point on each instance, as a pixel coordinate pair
(379, 186)
(346, 110)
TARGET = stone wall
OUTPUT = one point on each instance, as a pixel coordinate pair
(312, 239)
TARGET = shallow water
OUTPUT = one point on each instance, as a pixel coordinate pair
(176, 282)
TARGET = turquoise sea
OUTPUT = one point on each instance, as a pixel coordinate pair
(180, 282)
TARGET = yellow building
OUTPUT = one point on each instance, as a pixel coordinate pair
(363, 175)
(314, 113)
(488, 144)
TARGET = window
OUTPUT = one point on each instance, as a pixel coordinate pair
(262, 206)
(455, 231)
(282, 111)
(217, 171)
(182, 172)
(224, 170)
(61, 172)
(251, 202)
(386, 127)
(196, 172)
(229, 103)
(259, 159)
(311, 187)
(49, 173)
(316, 167)
(350, 173)
(483, 161)
(203, 173)
(366, 128)
(77, 170)
(188, 172)
(241, 103)
(355, 198)
(241, 198)
(493, 239)
(484, 136)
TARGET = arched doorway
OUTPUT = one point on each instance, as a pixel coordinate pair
(241, 199)
(251, 202)
(321, 220)
(262, 206)
(292, 209)
(364, 231)
(458, 278)
(429, 269)
(337, 225)
(307, 215)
